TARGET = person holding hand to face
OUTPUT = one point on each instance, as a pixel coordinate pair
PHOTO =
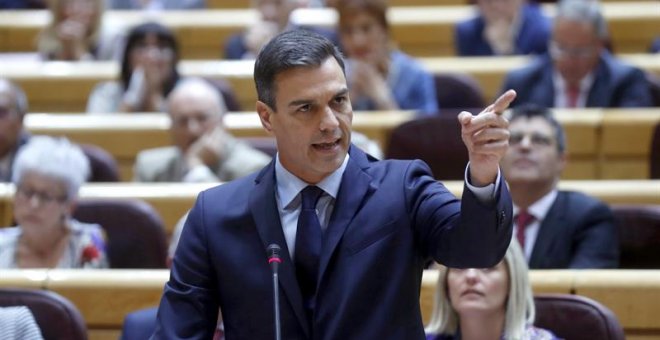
(148, 73)
(380, 77)
(354, 232)
(203, 150)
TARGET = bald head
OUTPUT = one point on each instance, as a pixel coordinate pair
(195, 108)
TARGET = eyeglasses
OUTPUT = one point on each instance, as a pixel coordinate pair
(536, 139)
(559, 52)
(27, 194)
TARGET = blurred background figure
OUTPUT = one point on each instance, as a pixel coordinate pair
(274, 17)
(203, 150)
(557, 229)
(13, 107)
(148, 73)
(486, 303)
(76, 32)
(503, 27)
(47, 175)
(379, 76)
(579, 71)
(156, 5)
(22, 4)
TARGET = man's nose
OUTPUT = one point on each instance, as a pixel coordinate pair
(329, 121)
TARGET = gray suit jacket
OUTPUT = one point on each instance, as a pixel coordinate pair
(578, 232)
(166, 164)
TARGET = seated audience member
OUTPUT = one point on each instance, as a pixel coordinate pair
(204, 151)
(503, 27)
(486, 303)
(379, 76)
(22, 4)
(148, 73)
(156, 5)
(13, 107)
(579, 71)
(47, 175)
(557, 229)
(17, 323)
(274, 18)
(75, 32)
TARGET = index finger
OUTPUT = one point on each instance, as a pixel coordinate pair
(502, 103)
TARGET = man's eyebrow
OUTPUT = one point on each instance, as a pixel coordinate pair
(341, 92)
(299, 102)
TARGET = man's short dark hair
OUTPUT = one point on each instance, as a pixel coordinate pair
(530, 111)
(290, 49)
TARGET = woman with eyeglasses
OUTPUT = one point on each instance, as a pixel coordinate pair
(47, 175)
(486, 303)
(148, 73)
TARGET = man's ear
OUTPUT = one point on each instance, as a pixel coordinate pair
(265, 113)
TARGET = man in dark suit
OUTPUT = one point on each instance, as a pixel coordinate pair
(557, 229)
(503, 27)
(355, 232)
(13, 107)
(579, 71)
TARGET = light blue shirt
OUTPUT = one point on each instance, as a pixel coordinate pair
(289, 202)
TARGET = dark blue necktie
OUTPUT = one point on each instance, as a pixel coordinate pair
(308, 246)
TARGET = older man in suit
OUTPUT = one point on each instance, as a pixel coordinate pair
(579, 71)
(204, 151)
(355, 232)
(13, 107)
(557, 229)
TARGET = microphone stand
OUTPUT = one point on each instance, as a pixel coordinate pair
(274, 260)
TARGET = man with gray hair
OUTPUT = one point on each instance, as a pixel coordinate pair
(578, 71)
(13, 107)
(203, 150)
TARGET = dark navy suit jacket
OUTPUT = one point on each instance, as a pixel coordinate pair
(615, 84)
(139, 325)
(578, 232)
(533, 34)
(389, 218)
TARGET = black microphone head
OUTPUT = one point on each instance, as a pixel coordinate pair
(273, 251)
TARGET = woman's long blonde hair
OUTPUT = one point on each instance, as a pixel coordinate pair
(520, 309)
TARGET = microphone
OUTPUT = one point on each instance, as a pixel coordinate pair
(274, 260)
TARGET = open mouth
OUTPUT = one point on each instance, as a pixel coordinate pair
(326, 146)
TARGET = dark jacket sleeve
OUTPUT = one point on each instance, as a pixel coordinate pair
(596, 241)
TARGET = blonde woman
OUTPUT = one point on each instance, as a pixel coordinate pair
(488, 303)
(74, 32)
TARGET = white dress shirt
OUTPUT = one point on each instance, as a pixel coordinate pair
(539, 210)
(561, 100)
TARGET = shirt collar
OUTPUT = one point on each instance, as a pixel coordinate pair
(289, 185)
(560, 84)
(541, 207)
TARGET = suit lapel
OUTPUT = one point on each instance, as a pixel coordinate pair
(267, 220)
(355, 186)
(599, 94)
(546, 95)
(548, 230)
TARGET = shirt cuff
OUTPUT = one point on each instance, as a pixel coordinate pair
(484, 194)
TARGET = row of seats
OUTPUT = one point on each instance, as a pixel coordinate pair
(65, 86)
(594, 137)
(419, 31)
(137, 236)
(104, 297)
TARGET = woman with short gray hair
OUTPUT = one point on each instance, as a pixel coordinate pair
(47, 175)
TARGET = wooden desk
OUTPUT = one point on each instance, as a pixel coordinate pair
(65, 86)
(124, 135)
(626, 143)
(104, 297)
(418, 30)
(172, 200)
